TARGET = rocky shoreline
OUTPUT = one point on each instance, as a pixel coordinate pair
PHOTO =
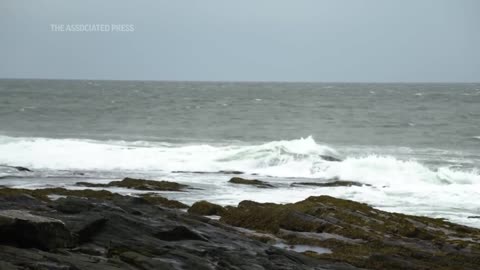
(59, 228)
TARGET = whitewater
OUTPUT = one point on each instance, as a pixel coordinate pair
(396, 183)
(303, 158)
(415, 148)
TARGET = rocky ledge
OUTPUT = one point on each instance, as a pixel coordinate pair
(251, 182)
(97, 229)
(139, 184)
(360, 235)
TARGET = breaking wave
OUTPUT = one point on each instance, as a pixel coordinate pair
(295, 158)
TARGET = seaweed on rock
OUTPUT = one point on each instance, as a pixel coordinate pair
(361, 235)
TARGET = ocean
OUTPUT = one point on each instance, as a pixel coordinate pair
(416, 147)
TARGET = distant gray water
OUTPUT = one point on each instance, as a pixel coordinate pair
(416, 145)
(413, 115)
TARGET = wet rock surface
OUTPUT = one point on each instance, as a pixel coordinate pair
(207, 172)
(96, 230)
(252, 182)
(22, 229)
(155, 199)
(205, 208)
(139, 184)
(361, 235)
(18, 168)
(330, 158)
(336, 183)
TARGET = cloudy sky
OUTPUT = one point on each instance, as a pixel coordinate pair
(247, 40)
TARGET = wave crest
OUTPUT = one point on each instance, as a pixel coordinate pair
(294, 158)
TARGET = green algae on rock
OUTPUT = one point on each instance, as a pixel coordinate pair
(361, 235)
(129, 233)
(139, 184)
(206, 209)
(253, 182)
(355, 233)
(43, 194)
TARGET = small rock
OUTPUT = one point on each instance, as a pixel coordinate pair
(22, 169)
(205, 208)
(330, 158)
(231, 172)
(139, 184)
(338, 183)
(254, 182)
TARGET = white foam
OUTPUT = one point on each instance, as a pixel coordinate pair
(387, 170)
(294, 158)
(398, 184)
(45, 153)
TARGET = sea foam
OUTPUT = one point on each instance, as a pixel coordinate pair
(290, 158)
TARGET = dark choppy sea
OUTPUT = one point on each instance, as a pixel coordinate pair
(417, 145)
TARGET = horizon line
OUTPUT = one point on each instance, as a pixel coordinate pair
(242, 81)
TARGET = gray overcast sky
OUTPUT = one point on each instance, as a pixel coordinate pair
(261, 40)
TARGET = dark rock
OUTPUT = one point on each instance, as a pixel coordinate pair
(112, 232)
(22, 169)
(254, 182)
(361, 235)
(231, 172)
(139, 184)
(85, 193)
(474, 217)
(33, 259)
(161, 201)
(22, 229)
(8, 266)
(18, 168)
(43, 194)
(298, 221)
(90, 228)
(20, 201)
(205, 172)
(88, 184)
(192, 172)
(111, 235)
(92, 250)
(178, 234)
(338, 183)
(72, 205)
(330, 158)
(144, 262)
(206, 209)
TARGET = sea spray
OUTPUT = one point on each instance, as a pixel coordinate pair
(294, 158)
